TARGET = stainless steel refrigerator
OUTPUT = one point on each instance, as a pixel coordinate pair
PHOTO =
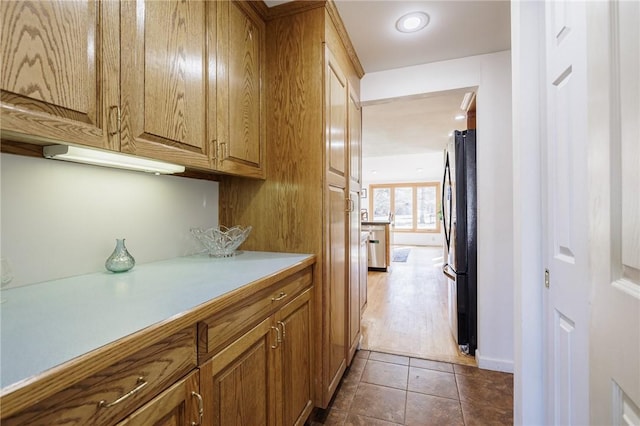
(459, 215)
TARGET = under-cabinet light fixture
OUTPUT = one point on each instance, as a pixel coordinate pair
(116, 160)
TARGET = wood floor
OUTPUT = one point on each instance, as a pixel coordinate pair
(406, 311)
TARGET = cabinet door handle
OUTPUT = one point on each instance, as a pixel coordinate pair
(278, 337)
(214, 148)
(350, 205)
(200, 408)
(284, 331)
(141, 382)
(114, 119)
(281, 296)
(223, 151)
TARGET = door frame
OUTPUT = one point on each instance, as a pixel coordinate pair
(528, 97)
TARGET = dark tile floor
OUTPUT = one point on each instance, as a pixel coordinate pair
(383, 389)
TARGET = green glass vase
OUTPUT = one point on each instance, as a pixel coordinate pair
(120, 260)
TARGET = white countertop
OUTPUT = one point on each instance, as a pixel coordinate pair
(46, 324)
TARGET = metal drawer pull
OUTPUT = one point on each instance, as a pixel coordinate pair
(281, 296)
(141, 382)
(200, 408)
(284, 333)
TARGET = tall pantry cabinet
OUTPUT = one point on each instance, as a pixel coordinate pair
(307, 203)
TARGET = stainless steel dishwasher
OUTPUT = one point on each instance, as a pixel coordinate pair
(377, 247)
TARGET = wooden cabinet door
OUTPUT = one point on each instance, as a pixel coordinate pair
(181, 404)
(364, 270)
(336, 117)
(354, 273)
(240, 97)
(336, 307)
(59, 71)
(238, 384)
(164, 80)
(294, 364)
(355, 143)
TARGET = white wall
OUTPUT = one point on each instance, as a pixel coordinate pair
(492, 74)
(425, 167)
(402, 168)
(418, 239)
(61, 219)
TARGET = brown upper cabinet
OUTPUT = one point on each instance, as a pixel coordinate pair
(60, 70)
(355, 142)
(164, 80)
(172, 80)
(241, 123)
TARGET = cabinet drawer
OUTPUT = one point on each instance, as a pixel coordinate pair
(118, 390)
(219, 330)
(180, 405)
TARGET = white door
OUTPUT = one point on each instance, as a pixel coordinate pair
(614, 206)
(565, 246)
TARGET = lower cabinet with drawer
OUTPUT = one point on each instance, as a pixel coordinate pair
(243, 360)
(264, 376)
(113, 393)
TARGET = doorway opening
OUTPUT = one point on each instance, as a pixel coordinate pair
(408, 309)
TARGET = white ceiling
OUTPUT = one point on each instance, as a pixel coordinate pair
(412, 125)
(456, 29)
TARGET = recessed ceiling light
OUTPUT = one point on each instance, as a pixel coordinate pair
(459, 117)
(412, 22)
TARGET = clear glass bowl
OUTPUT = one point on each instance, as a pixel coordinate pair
(221, 241)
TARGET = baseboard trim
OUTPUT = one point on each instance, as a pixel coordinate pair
(494, 364)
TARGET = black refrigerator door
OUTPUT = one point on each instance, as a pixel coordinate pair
(465, 238)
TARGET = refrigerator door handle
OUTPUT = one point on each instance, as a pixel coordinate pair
(447, 231)
(448, 272)
(444, 216)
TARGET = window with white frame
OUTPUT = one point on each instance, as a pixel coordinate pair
(413, 207)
